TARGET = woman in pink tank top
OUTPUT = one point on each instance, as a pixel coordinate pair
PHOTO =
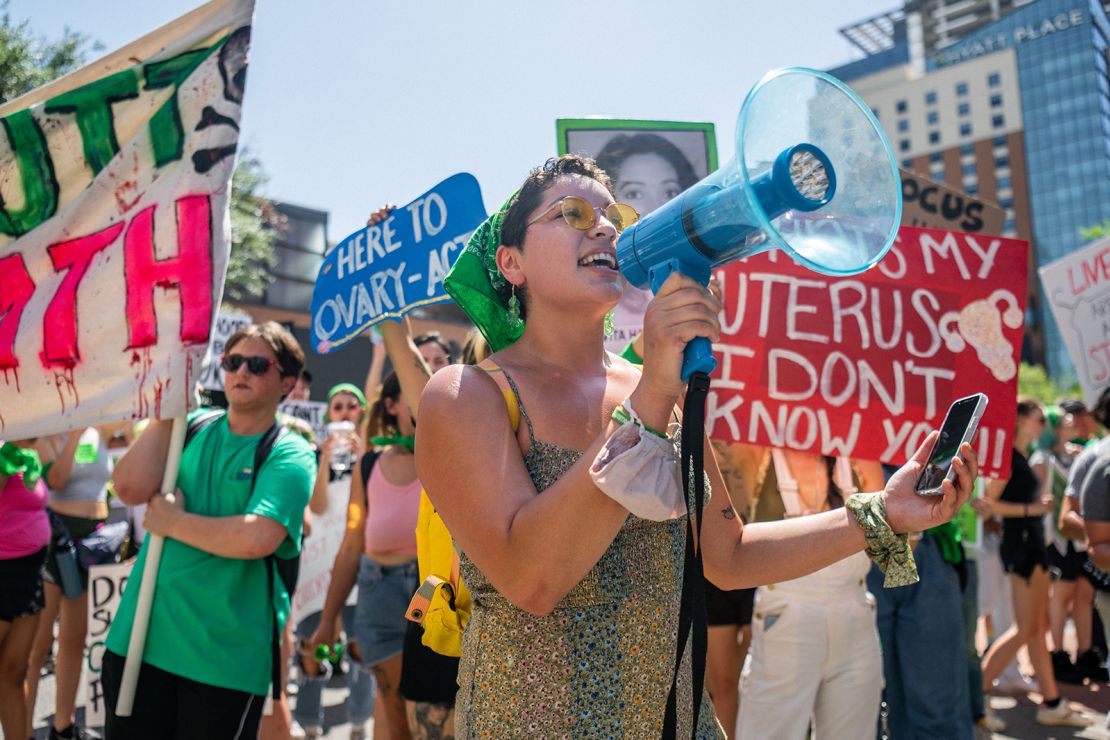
(379, 552)
(24, 534)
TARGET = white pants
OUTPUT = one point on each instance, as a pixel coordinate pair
(815, 656)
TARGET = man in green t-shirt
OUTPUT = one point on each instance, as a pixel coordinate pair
(209, 648)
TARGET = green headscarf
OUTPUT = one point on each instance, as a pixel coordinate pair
(14, 460)
(474, 281)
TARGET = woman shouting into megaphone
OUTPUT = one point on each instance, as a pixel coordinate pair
(554, 465)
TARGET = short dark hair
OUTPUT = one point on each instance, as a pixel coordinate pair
(1101, 410)
(538, 182)
(623, 146)
(432, 337)
(290, 356)
(383, 423)
(306, 376)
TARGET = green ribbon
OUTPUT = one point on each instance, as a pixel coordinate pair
(408, 443)
(15, 460)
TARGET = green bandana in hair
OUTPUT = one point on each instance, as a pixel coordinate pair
(474, 281)
(354, 390)
(15, 460)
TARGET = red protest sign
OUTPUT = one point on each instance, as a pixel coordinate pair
(865, 366)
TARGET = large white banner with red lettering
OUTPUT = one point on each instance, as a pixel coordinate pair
(865, 366)
(114, 232)
(1077, 288)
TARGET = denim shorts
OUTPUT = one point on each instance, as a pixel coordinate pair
(384, 592)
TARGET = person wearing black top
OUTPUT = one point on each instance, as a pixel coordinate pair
(1025, 558)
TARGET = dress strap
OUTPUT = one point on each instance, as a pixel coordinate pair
(491, 368)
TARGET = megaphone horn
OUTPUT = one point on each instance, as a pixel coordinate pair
(813, 175)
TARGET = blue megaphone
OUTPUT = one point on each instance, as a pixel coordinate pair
(813, 175)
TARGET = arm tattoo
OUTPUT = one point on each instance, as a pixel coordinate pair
(728, 513)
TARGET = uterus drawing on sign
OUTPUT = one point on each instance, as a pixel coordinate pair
(233, 72)
(979, 324)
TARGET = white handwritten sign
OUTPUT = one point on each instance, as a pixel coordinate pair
(319, 550)
(106, 584)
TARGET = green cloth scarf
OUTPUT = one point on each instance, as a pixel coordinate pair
(15, 460)
(408, 443)
(474, 280)
(948, 540)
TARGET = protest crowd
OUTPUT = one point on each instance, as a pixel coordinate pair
(535, 532)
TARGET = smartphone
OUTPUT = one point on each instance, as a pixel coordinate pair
(959, 426)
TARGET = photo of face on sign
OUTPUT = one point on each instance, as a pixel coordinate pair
(648, 167)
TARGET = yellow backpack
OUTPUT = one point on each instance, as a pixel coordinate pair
(442, 603)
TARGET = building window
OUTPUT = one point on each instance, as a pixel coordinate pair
(965, 129)
(994, 79)
(963, 109)
(1008, 227)
(936, 156)
(998, 121)
(1003, 183)
(904, 145)
(934, 137)
(900, 106)
(972, 188)
(961, 88)
(931, 97)
(907, 164)
(1006, 202)
(969, 169)
(933, 118)
(996, 100)
(966, 149)
(903, 125)
(1003, 161)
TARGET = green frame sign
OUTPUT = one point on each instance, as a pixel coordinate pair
(707, 153)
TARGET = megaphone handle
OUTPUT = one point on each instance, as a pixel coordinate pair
(698, 355)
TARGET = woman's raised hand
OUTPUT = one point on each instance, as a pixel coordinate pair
(909, 511)
(681, 310)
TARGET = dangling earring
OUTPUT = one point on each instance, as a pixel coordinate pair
(514, 311)
(608, 324)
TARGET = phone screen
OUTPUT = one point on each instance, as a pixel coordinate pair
(948, 443)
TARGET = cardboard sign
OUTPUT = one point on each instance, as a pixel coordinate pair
(866, 366)
(319, 550)
(1077, 288)
(106, 584)
(386, 270)
(114, 232)
(227, 323)
(310, 412)
(929, 204)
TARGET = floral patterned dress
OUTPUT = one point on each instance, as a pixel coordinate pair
(600, 665)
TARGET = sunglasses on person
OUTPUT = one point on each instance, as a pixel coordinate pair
(580, 215)
(255, 364)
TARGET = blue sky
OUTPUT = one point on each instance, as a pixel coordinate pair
(353, 104)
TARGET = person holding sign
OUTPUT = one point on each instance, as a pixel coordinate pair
(231, 528)
(24, 535)
(576, 603)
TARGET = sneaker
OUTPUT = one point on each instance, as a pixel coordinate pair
(991, 720)
(1020, 685)
(1089, 665)
(73, 732)
(1064, 670)
(308, 732)
(1061, 716)
(358, 732)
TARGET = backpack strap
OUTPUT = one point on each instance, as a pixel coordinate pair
(202, 420)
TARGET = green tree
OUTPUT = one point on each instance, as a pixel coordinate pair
(1033, 382)
(28, 61)
(1096, 232)
(255, 223)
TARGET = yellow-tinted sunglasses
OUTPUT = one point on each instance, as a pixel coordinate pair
(580, 215)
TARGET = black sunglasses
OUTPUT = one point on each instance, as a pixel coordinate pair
(255, 364)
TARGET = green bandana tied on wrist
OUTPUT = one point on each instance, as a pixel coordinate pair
(890, 551)
(15, 460)
(408, 443)
(474, 281)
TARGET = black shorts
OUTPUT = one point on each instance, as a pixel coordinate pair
(427, 676)
(170, 706)
(21, 586)
(1022, 556)
(78, 527)
(729, 607)
(1066, 567)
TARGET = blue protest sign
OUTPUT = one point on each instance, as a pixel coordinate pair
(386, 270)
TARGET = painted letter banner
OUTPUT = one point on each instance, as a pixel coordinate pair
(114, 229)
(1078, 290)
(865, 366)
(386, 270)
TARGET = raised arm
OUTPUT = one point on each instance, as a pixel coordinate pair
(408, 363)
(138, 474)
(61, 467)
